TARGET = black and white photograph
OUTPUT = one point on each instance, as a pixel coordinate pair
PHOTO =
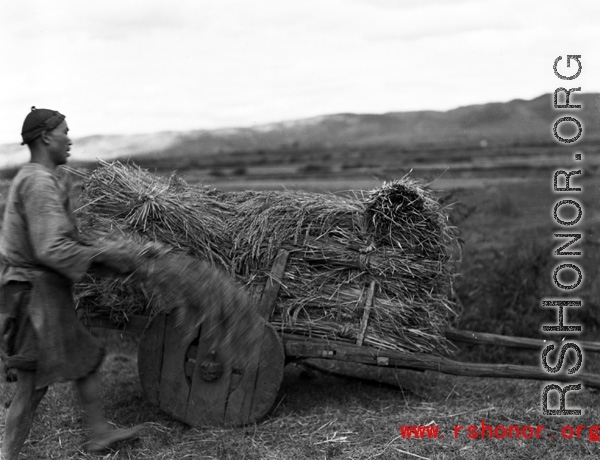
(342, 229)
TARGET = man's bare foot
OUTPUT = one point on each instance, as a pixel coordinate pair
(104, 439)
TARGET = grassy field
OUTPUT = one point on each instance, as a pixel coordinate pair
(507, 228)
(320, 416)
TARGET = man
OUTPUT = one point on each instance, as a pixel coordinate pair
(41, 259)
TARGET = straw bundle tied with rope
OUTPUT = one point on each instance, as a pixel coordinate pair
(119, 197)
(397, 236)
(337, 247)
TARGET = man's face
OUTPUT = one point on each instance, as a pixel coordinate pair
(59, 144)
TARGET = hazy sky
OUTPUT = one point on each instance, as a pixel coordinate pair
(123, 66)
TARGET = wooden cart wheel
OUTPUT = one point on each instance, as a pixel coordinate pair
(189, 380)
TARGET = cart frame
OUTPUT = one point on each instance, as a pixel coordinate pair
(250, 393)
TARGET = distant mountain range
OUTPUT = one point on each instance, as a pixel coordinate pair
(493, 124)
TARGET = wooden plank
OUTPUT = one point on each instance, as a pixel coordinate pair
(366, 312)
(486, 338)
(253, 388)
(312, 348)
(259, 383)
(271, 290)
(150, 358)
(174, 389)
(207, 400)
(239, 400)
(407, 379)
(269, 376)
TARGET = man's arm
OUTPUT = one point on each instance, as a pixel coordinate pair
(51, 231)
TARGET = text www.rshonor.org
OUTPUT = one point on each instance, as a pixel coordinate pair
(486, 431)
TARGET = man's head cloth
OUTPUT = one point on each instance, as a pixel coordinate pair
(39, 120)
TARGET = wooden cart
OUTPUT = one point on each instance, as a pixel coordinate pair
(186, 378)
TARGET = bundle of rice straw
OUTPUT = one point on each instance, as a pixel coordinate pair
(397, 236)
(128, 199)
(337, 247)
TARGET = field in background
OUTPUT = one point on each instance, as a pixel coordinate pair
(504, 215)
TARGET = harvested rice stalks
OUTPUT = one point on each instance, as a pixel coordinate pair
(162, 209)
(397, 236)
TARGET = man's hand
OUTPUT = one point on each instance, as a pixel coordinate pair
(116, 257)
